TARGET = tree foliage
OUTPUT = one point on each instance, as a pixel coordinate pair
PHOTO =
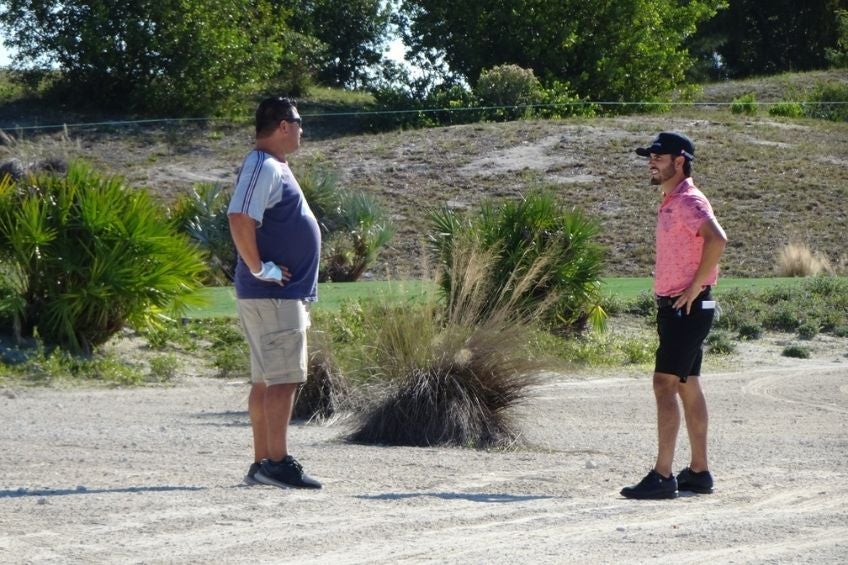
(151, 56)
(609, 50)
(753, 37)
(352, 31)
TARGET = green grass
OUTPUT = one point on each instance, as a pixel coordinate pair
(221, 300)
(627, 288)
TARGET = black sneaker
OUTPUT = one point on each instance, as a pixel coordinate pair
(250, 477)
(689, 480)
(285, 474)
(653, 486)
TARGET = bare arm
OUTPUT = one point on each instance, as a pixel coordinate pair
(243, 230)
(715, 241)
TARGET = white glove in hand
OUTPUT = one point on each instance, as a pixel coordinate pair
(269, 272)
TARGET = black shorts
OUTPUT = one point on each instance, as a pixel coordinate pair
(682, 336)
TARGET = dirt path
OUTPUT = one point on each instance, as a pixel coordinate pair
(153, 476)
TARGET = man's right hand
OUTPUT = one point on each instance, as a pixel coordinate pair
(271, 272)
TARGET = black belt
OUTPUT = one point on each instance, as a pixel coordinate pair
(668, 301)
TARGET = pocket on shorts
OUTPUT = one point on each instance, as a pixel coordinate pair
(284, 353)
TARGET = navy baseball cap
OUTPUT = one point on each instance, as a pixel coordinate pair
(669, 143)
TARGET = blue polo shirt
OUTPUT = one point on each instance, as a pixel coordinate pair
(287, 232)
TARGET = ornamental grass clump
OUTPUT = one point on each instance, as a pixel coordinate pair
(326, 394)
(452, 372)
(462, 397)
(797, 260)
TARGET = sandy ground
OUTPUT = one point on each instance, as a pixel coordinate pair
(153, 475)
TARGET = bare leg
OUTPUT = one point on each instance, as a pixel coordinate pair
(256, 407)
(668, 420)
(279, 403)
(697, 420)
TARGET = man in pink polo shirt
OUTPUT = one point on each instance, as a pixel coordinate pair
(690, 242)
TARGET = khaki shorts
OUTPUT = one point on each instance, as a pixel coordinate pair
(276, 334)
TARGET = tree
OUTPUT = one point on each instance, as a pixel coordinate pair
(353, 32)
(760, 38)
(150, 56)
(605, 49)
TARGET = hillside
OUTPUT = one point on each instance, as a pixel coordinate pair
(771, 180)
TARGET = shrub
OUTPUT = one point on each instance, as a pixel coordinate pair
(796, 351)
(46, 364)
(398, 108)
(320, 185)
(796, 260)
(643, 305)
(537, 240)
(784, 317)
(750, 331)
(787, 110)
(559, 101)
(720, 343)
(362, 229)
(745, 104)
(638, 351)
(509, 89)
(460, 105)
(326, 392)
(231, 361)
(356, 227)
(202, 214)
(808, 330)
(829, 101)
(87, 254)
(164, 367)
(461, 397)
(452, 375)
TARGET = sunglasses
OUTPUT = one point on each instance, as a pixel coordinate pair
(297, 121)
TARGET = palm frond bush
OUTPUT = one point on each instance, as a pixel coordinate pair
(320, 186)
(451, 376)
(361, 229)
(538, 241)
(354, 224)
(89, 254)
(202, 214)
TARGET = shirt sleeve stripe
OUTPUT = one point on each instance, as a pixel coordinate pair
(251, 185)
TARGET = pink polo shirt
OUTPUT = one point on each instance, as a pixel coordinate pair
(678, 244)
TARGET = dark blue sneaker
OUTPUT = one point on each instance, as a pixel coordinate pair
(250, 477)
(689, 480)
(653, 486)
(287, 473)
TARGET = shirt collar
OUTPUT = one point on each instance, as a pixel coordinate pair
(684, 185)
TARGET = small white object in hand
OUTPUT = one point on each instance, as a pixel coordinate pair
(269, 272)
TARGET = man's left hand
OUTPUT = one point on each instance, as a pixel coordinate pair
(685, 300)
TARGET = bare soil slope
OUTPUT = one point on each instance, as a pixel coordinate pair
(771, 181)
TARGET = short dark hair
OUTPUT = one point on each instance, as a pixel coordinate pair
(687, 167)
(271, 112)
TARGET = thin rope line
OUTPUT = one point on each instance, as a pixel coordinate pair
(123, 123)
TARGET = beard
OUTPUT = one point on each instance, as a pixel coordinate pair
(663, 174)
